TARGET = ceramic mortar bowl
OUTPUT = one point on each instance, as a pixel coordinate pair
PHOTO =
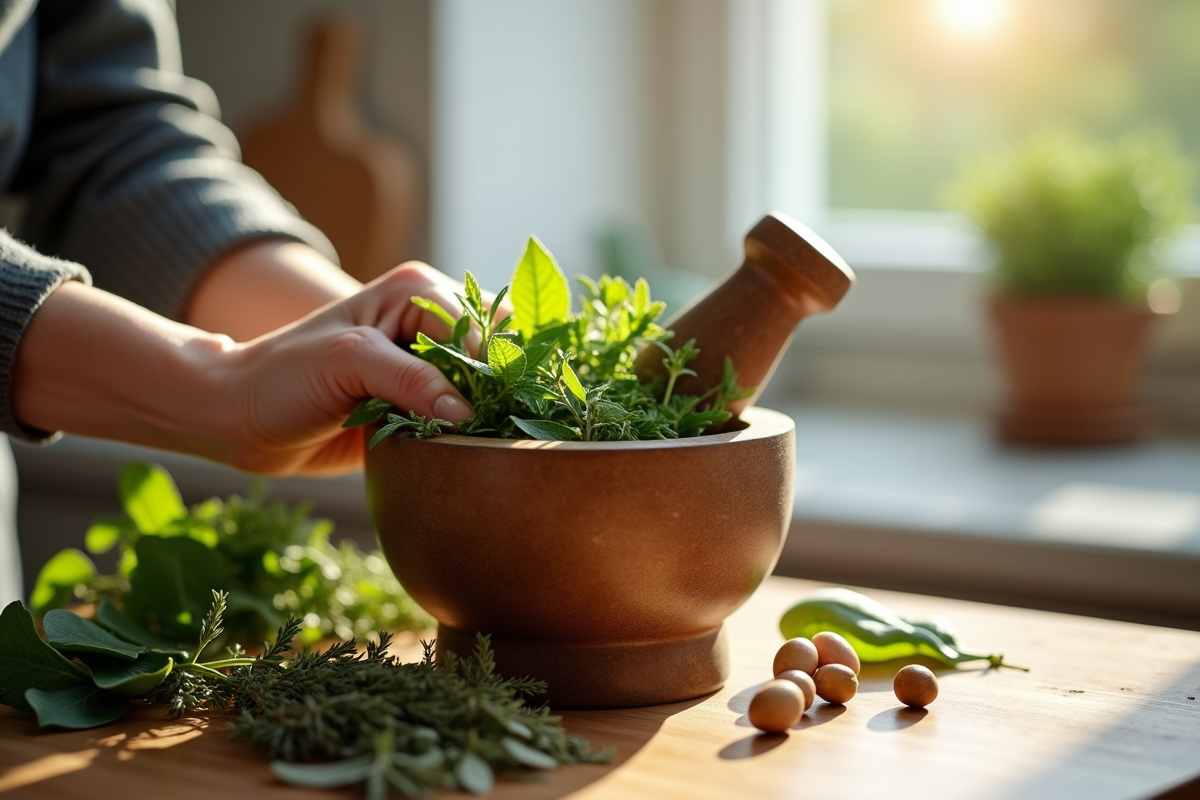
(604, 568)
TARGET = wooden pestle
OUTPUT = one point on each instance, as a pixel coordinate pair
(789, 273)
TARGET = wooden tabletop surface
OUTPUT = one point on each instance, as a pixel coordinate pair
(1108, 711)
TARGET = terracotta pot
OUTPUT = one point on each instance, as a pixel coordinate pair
(604, 568)
(1074, 367)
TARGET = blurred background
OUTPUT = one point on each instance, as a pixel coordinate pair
(646, 136)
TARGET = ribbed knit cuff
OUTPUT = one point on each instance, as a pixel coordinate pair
(26, 279)
(160, 235)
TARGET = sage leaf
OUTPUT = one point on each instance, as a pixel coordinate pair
(26, 662)
(425, 344)
(115, 622)
(57, 580)
(546, 430)
(526, 755)
(129, 678)
(572, 381)
(150, 497)
(506, 359)
(325, 776)
(77, 707)
(368, 412)
(474, 774)
(541, 295)
(172, 585)
(72, 633)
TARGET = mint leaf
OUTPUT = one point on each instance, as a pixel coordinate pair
(474, 296)
(541, 296)
(506, 359)
(129, 678)
(57, 580)
(77, 707)
(546, 430)
(72, 633)
(27, 663)
(149, 497)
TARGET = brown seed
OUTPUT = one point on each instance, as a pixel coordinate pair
(915, 686)
(836, 683)
(776, 707)
(833, 649)
(798, 654)
(804, 681)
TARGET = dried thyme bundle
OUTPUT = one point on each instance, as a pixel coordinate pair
(369, 719)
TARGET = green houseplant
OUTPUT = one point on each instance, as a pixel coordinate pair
(1078, 228)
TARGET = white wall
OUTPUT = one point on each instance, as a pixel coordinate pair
(540, 123)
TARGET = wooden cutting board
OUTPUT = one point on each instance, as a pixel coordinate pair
(358, 185)
(1104, 713)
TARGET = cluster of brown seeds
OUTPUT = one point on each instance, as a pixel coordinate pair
(825, 666)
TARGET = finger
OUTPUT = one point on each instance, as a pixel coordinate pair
(368, 364)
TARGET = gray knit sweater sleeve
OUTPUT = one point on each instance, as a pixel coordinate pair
(128, 171)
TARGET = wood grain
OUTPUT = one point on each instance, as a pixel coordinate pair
(1104, 713)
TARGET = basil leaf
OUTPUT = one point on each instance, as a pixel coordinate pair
(73, 633)
(149, 497)
(541, 296)
(77, 707)
(129, 678)
(546, 430)
(172, 585)
(57, 580)
(27, 663)
(506, 359)
(105, 532)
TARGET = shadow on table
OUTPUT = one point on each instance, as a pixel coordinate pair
(146, 754)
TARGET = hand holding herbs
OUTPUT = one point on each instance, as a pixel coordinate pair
(367, 718)
(545, 373)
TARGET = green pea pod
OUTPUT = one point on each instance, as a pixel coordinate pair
(876, 632)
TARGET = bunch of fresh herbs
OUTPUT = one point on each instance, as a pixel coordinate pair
(549, 374)
(272, 560)
(365, 718)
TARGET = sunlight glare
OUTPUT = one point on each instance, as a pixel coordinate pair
(972, 17)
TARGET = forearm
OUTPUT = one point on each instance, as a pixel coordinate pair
(94, 364)
(265, 285)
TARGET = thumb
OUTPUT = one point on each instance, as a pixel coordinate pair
(372, 365)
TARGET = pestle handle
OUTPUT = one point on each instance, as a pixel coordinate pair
(789, 273)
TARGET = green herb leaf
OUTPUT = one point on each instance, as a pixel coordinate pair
(474, 296)
(77, 707)
(368, 412)
(26, 662)
(541, 296)
(436, 310)
(526, 755)
(111, 618)
(546, 430)
(57, 580)
(325, 776)
(129, 678)
(425, 345)
(506, 359)
(572, 381)
(474, 774)
(105, 532)
(172, 585)
(149, 497)
(72, 633)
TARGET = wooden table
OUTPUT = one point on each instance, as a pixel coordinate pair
(1108, 711)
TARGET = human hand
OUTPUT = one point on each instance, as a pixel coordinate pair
(292, 389)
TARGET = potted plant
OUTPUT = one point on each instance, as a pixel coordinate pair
(1078, 228)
